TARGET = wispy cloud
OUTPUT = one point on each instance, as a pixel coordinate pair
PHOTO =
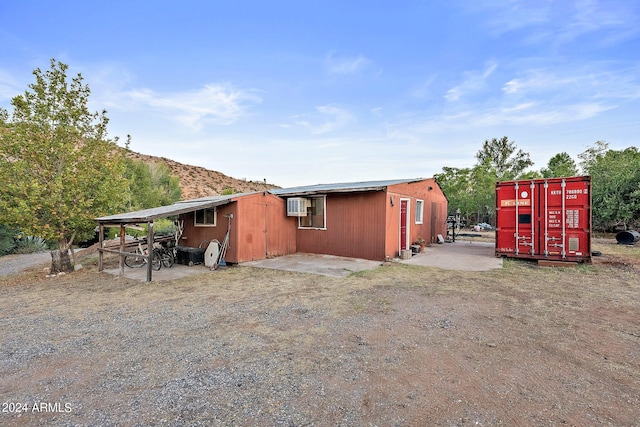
(473, 82)
(561, 22)
(219, 104)
(596, 82)
(346, 65)
(9, 86)
(327, 119)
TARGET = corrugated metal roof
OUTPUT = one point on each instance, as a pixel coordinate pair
(345, 187)
(165, 211)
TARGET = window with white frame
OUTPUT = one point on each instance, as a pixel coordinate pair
(206, 217)
(419, 211)
(316, 214)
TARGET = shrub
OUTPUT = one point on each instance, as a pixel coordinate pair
(7, 240)
(30, 244)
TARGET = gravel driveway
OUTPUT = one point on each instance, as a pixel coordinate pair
(400, 345)
(12, 264)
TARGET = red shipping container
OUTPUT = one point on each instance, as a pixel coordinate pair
(544, 219)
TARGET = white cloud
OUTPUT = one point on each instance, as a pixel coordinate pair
(560, 22)
(9, 87)
(346, 65)
(328, 119)
(214, 103)
(473, 82)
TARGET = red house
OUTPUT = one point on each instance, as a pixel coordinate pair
(374, 220)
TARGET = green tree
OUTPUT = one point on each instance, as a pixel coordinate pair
(560, 165)
(469, 189)
(151, 185)
(615, 181)
(58, 169)
(501, 157)
(472, 190)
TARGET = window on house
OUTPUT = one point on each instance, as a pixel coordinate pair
(419, 211)
(316, 214)
(206, 217)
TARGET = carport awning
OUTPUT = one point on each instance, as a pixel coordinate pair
(177, 208)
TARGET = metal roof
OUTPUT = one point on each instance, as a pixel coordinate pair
(345, 187)
(177, 208)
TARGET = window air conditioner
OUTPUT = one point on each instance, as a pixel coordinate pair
(297, 206)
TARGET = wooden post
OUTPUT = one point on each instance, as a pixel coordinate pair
(149, 250)
(100, 246)
(121, 257)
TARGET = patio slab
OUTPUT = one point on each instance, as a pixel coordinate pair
(461, 255)
(326, 265)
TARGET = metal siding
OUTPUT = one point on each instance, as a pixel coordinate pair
(248, 240)
(354, 227)
(360, 224)
(263, 228)
(194, 237)
(544, 219)
(434, 213)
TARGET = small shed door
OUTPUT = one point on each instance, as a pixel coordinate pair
(404, 232)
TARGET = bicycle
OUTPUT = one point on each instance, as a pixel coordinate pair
(166, 256)
(138, 258)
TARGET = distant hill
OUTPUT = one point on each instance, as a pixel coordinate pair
(196, 181)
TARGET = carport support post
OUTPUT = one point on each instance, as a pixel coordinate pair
(149, 250)
(121, 257)
(101, 245)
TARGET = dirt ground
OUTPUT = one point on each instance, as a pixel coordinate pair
(399, 345)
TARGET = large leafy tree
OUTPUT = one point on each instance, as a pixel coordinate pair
(502, 157)
(615, 180)
(57, 167)
(151, 185)
(560, 165)
(472, 190)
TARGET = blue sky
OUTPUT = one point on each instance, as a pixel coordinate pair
(307, 92)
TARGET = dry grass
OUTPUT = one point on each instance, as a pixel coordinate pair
(399, 345)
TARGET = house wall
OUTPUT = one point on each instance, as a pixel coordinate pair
(354, 227)
(358, 224)
(434, 213)
(195, 237)
(263, 228)
(260, 228)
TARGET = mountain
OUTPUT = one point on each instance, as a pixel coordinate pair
(196, 181)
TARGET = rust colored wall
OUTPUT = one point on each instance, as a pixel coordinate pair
(434, 213)
(354, 228)
(200, 236)
(260, 228)
(358, 224)
(263, 228)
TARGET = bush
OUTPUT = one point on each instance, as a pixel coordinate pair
(7, 240)
(30, 245)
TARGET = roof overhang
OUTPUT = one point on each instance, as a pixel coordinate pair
(148, 215)
(349, 187)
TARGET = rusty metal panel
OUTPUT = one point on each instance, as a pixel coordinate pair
(544, 219)
(354, 227)
(199, 236)
(434, 216)
(263, 228)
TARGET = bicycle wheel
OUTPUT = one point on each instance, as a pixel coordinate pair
(156, 261)
(167, 258)
(135, 260)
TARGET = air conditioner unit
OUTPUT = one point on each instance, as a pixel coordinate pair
(297, 206)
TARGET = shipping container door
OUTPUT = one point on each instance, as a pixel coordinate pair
(515, 231)
(565, 218)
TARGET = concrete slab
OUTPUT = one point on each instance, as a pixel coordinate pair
(326, 265)
(461, 255)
